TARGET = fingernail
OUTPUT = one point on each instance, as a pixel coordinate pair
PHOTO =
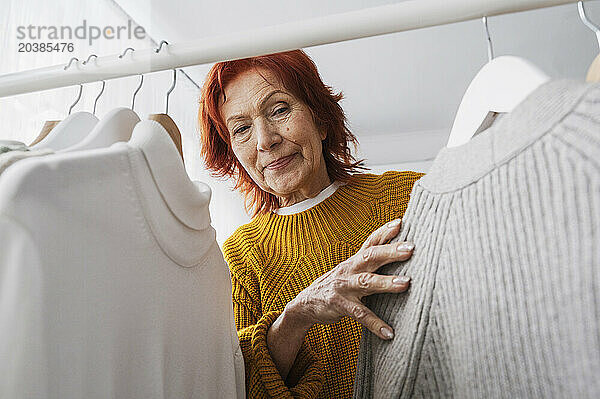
(401, 280)
(386, 332)
(405, 247)
(394, 223)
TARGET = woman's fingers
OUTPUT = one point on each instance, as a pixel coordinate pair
(383, 234)
(362, 314)
(369, 283)
(372, 258)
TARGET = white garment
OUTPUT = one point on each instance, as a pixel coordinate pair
(111, 282)
(8, 158)
(310, 202)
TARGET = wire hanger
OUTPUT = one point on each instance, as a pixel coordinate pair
(593, 73)
(490, 48)
(49, 125)
(77, 100)
(69, 131)
(164, 119)
(587, 22)
(170, 91)
(157, 50)
(498, 87)
(136, 91)
(125, 51)
(141, 77)
(80, 85)
(117, 125)
(70, 62)
(103, 83)
(99, 94)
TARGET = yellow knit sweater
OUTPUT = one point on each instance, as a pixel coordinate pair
(274, 257)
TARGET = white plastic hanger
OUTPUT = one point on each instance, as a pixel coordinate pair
(70, 130)
(116, 126)
(498, 87)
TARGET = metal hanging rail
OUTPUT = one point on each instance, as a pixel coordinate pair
(403, 16)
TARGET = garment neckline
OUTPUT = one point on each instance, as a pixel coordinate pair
(456, 167)
(187, 200)
(309, 202)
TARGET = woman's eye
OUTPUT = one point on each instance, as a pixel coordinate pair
(279, 111)
(240, 130)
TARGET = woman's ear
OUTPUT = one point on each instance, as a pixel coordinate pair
(323, 134)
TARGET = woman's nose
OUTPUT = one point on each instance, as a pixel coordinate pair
(267, 136)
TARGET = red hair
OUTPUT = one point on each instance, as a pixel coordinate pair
(298, 74)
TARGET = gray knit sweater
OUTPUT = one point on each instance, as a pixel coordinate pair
(505, 292)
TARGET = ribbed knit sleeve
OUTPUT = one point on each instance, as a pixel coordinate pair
(396, 187)
(262, 377)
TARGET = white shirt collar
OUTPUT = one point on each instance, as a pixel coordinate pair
(309, 202)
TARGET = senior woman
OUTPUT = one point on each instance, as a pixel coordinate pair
(320, 229)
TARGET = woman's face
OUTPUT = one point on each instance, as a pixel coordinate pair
(274, 137)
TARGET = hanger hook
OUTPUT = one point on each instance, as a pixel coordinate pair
(96, 100)
(157, 50)
(103, 83)
(78, 97)
(489, 39)
(170, 90)
(80, 85)
(70, 62)
(141, 79)
(89, 58)
(160, 46)
(587, 22)
(136, 91)
(126, 50)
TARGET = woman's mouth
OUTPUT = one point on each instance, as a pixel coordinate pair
(281, 163)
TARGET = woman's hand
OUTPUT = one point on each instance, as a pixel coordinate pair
(338, 292)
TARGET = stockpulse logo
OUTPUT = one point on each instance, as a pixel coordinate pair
(83, 31)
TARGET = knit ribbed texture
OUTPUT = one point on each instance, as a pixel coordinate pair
(505, 292)
(274, 257)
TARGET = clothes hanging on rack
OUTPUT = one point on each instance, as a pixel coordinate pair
(9, 145)
(46, 129)
(11, 154)
(113, 284)
(506, 271)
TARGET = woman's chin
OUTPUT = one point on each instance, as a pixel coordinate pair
(285, 184)
(285, 180)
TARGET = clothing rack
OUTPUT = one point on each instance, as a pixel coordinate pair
(403, 16)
